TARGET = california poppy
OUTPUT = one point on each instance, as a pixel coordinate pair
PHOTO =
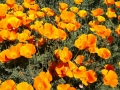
(109, 77)
(100, 18)
(3, 10)
(10, 3)
(109, 2)
(24, 85)
(111, 13)
(13, 53)
(65, 55)
(79, 59)
(8, 85)
(13, 36)
(63, 6)
(14, 22)
(65, 86)
(34, 7)
(74, 9)
(48, 11)
(117, 4)
(71, 27)
(104, 53)
(40, 14)
(82, 13)
(78, 1)
(27, 50)
(41, 83)
(118, 30)
(97, 12)
(68, 16)
(4, 34)
(91, 76)
(3, 56)
(19, 14)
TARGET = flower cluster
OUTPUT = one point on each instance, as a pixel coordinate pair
(25, 29)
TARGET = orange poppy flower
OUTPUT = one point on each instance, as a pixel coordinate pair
(74, 9)
(3, 24)
(72, 66)
(117, 4)
(34, 7)
(93, 23)
(100, 18)
(81, 42)
(109, 2)
(48, 11)
(57, 18)
(118, 30)
(47, 75)
(30, 1)
(10, 3)
(57, 53)
(4, 34)
(97, 12)
(41, 83)
(104, 53)
(17, 7)
(102, 31)
(23, 37)
(19, 14)
(80, 72)
(65, 55)
(8, 85)
(24, 85)
(82, 13)
(61, 25)
(47, 29)
(31, 17)
(65, 86)
(26, 21)
(3, 10)
(55, 33)
(3, 56)
(62, 34)
(13, 36)
(68, 16)
(111, 13)
(13, 53)
(110, 78)
(91, 76)
(86, 42)
(40, 14)
(14, 22)
(63, 6)
(91, 40)
(77, 25)
(26, 5)
(61, 69)
(71, 27)
(78, 1)
(79, 59)
(39, 26)
(27, 50)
